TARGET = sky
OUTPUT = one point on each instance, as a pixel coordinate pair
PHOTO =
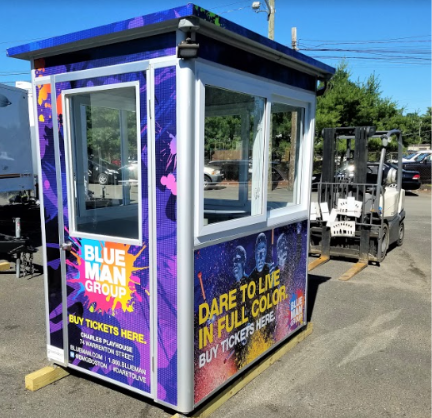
(388, 38)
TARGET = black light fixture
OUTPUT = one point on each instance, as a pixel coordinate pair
(4, 101)
(188, 48)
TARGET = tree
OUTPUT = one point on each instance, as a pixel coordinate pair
(103, 133)
(348, 103)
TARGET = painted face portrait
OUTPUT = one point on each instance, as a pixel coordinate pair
(239, 261)
(260, 252)
(282, 251)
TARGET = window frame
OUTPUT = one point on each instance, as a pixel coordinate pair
(236, 82)
(290, 212)
(273, 92)
(113, 211)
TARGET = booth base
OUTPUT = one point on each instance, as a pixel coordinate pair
(4, 265)
(244, 379)
(44, 377)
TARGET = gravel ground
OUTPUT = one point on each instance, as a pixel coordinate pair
(368, 356)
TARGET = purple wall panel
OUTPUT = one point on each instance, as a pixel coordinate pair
(120, 53)
(166, 212)
(48, 189)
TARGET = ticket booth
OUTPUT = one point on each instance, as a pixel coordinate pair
(175, 165)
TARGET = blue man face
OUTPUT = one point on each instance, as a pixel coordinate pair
(282, 253)
(238, 266)
(260, 256)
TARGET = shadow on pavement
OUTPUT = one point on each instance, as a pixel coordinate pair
(410, 193)
(314, 282)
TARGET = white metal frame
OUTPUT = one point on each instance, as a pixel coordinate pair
(71, 185)
(53, 353)
(237, 82)
(220, 76)
(299, 208)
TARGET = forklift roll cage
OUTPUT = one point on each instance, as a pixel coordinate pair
(377, 226)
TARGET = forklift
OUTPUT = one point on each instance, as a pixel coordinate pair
(358, 210)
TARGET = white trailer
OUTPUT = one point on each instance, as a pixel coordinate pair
(16, 166)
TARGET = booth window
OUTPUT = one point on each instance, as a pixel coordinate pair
(233, 144)
(104, 149)
(286, 133)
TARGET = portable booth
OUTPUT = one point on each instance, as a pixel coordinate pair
(172, 271)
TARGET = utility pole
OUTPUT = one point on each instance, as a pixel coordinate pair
(294, 39)
(256, 5)
(420, 125)
(271, 18)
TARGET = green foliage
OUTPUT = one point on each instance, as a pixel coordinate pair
(348, 103)
(103, 133)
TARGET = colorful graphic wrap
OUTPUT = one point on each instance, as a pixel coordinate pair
(105, 273)
(108, 302)
(166, 225)
(108, 332)
(249, 295)
(48, 189)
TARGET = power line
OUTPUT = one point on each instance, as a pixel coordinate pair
(11, 81)
(24, 40)
(13, 73)
(234, 10)
(370, 41)
(229, 5)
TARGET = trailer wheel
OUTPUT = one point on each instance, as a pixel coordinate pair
(384, 242)
(103, 179)
(399, 242)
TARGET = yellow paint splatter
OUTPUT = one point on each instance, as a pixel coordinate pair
(256, 346)
(43, 93)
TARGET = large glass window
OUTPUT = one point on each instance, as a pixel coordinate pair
(233, 158)
(286, 132)
(104, 159)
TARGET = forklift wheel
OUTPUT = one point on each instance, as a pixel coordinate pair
(399, 242)
(385, 242)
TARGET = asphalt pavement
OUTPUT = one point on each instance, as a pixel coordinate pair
(368, 356)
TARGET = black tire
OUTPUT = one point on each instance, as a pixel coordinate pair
(384, 242)
(400, 240)
(103, 179)
(207, 181)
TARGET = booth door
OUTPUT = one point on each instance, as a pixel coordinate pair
(105, 236)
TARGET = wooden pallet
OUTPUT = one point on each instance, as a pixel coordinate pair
(248, 376)
(4, 265)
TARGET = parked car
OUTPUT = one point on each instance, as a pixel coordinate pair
(416, 156)
(423, 166)
(129, 172)
(231, 170)
(411, 179)
(212, 175)
(102, 172)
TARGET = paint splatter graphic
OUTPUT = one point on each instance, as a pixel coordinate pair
(296, 309)
(238, 320)
(105, 271)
